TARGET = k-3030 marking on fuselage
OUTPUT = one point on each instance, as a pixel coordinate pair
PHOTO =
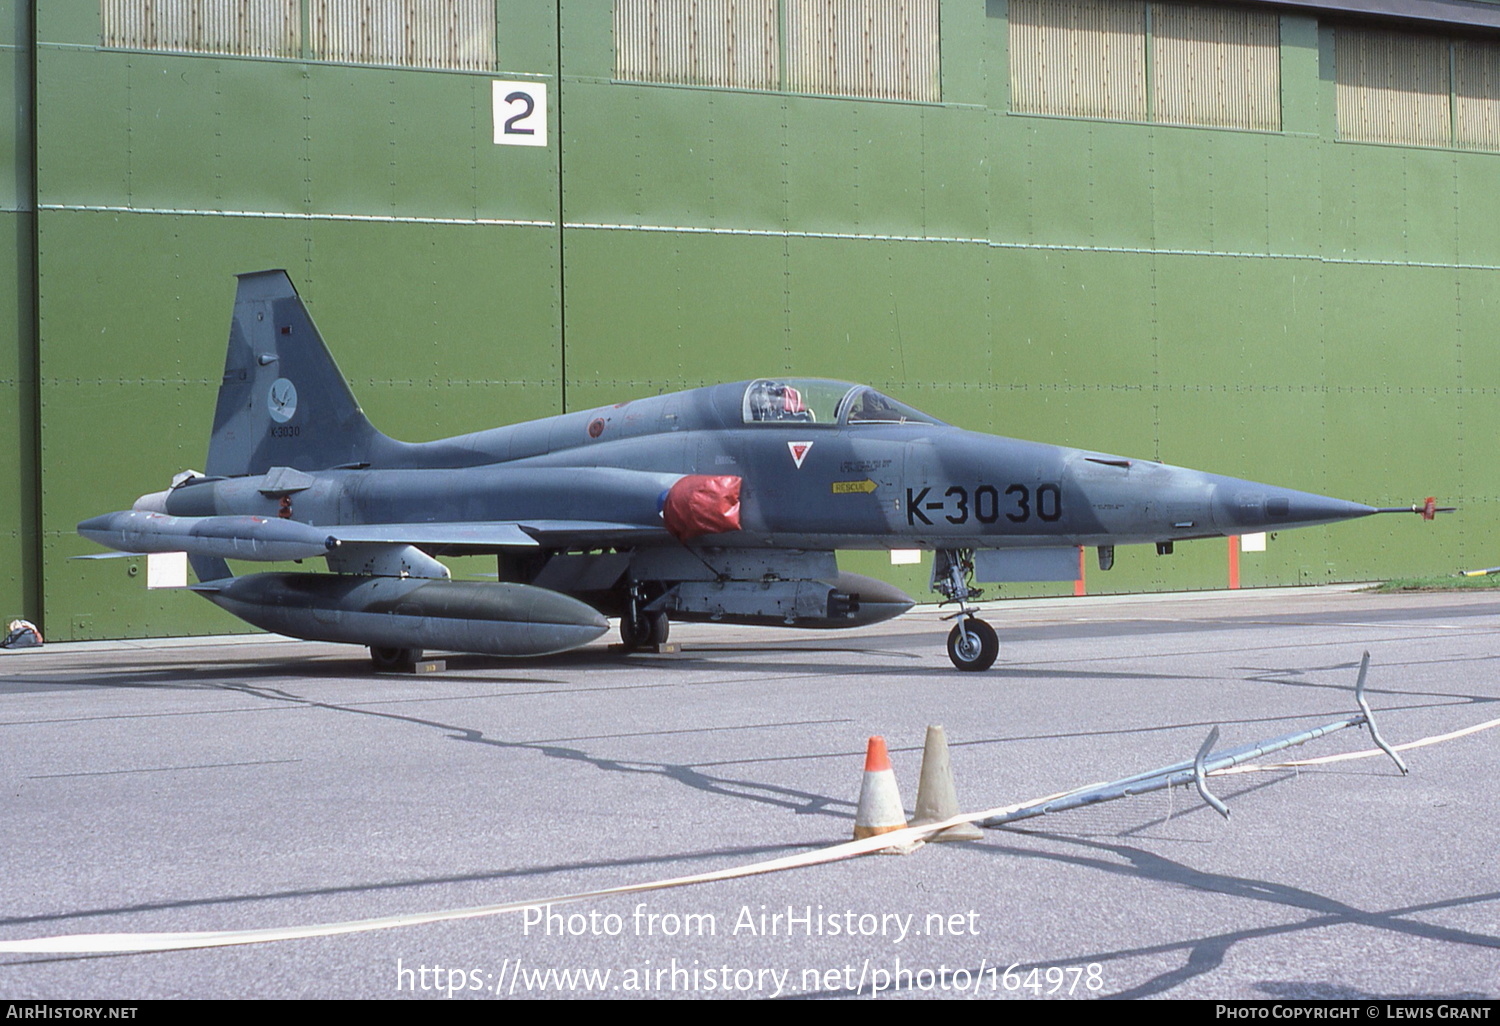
(987, 504)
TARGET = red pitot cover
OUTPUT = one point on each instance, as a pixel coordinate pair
(701, 504)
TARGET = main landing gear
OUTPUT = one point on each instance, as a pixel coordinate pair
(972, 644)
(644, 630)
(640, 629)
(394, 660)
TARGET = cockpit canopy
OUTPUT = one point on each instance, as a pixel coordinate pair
(824, 403)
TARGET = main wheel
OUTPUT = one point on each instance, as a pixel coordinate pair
(644, 630)
(394, 660)
(973, 645)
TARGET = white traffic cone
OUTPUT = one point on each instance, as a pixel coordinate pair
(937, 798)
(880, 809)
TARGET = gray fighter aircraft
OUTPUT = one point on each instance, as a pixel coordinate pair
(724, 503)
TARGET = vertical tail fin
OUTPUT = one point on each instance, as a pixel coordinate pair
(283, 402)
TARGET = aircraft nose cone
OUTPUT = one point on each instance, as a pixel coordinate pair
(1247, 506)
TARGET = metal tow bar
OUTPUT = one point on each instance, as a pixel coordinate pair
(1196, 771)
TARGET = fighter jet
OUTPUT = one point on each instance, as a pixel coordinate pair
(723, 504)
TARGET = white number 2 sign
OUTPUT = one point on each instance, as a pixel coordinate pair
(520, 113)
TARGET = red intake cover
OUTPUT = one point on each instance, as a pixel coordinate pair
(700, 504)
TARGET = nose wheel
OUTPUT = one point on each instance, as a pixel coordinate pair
(973, 644)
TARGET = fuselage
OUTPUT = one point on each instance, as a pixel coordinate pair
(861, 472)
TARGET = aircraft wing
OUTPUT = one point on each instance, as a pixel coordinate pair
(523, 534)
(566, 532)
(500, 535)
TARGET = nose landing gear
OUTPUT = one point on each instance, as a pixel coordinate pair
(972, 644)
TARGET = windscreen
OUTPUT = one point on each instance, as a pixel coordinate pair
(864, 405)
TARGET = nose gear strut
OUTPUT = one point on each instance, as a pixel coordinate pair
(972, 644)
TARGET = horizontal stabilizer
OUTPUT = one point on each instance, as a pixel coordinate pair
(269, 539)
(225, 537)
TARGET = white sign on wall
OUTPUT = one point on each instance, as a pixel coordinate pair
(520, 110)
(166, 570)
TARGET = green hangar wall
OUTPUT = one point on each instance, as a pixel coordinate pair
(1293, 277)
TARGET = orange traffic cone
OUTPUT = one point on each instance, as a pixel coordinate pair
(880, 809)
